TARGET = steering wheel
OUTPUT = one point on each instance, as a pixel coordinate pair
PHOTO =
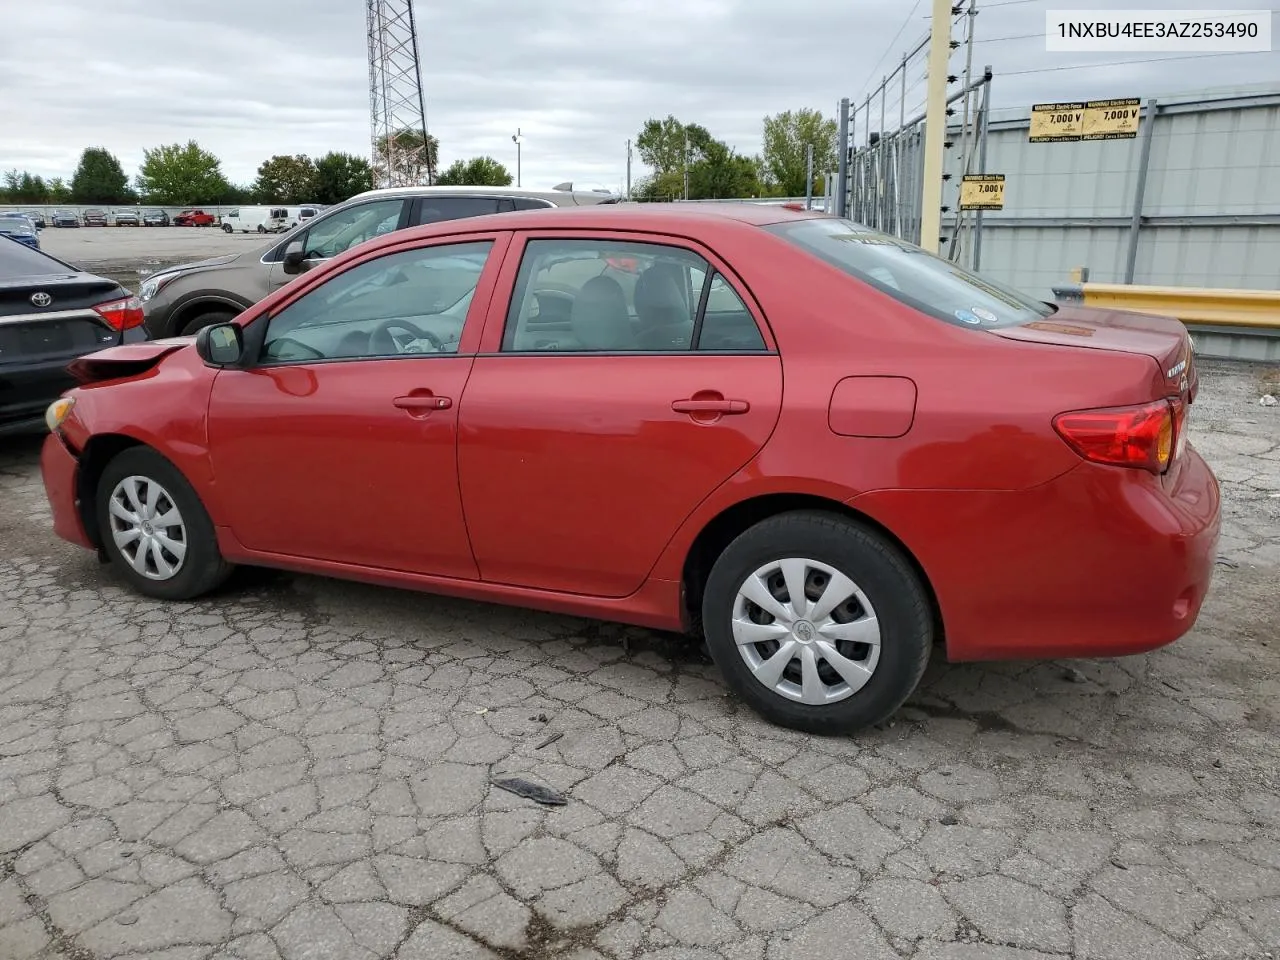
(383, 343)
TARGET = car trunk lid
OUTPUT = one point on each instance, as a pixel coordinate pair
(1163, 339)
(48, 318)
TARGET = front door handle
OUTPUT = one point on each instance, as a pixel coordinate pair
(720, 406)
(422, 402)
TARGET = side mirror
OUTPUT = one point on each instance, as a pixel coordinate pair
(293, 257)
(220, 345)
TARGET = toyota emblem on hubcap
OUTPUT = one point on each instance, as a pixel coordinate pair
(41, 299)
(804, 631)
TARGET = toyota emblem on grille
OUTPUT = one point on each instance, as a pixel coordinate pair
(41, 299)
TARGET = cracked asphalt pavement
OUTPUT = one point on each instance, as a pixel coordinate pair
(301, 769)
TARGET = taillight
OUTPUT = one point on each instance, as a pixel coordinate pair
(121, 314)
(1139, 436)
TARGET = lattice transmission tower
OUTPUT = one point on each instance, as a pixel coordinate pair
(397, 108)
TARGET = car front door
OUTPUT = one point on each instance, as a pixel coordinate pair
(326, 237)
(598, 416)
(339, 442)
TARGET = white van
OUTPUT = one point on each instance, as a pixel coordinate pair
(257, 220)
(296, 215)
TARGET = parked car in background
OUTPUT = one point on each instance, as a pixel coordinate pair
(37, 217)
(65, 218)
(255, 220)
(484, 409)
(194, 218)
(21, 228)
(126, 218)
(95, 217)
(52, 313)
(155, 218)
(180, 300)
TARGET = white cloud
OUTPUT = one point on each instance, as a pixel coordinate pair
(249, 79)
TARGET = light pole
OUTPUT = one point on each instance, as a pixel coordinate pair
(518, 140)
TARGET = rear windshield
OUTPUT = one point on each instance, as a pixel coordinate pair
(17, 260)
(911, 275)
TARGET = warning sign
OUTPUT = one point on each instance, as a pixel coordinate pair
(1112, 119)
(1086, 120)
(1053, 122)
(982, 191)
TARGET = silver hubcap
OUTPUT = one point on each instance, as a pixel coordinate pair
(147, 528)
(806, 631)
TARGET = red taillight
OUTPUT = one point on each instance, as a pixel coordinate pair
(121, 314)
(1140, 436)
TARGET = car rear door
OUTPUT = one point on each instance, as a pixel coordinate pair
(596, 417)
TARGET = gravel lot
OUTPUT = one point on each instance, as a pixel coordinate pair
(128, 253)
(301, 768)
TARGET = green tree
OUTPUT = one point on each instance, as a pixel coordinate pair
(721, 173)
(406, 147)
(786, 137)
(21, 187)
(476, 172)
(99, 178)
(340, 176)
(661, 144)
(177, 174)
(285, 179)
(56, 191)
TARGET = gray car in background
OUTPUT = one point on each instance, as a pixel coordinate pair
(178, 301)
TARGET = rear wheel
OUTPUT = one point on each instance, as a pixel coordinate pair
(206, 319)
(155, 529)
(817, 622)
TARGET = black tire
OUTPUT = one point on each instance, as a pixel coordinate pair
(226, 228)
(202, 568)
(885, 577)
(206, 319)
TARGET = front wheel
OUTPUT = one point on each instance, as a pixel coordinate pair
(155, 529)
(818, 623)
(226, 228)
(193, 326)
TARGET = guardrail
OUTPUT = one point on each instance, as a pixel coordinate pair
(1231, 324)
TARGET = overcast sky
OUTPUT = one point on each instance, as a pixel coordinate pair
(248, 78)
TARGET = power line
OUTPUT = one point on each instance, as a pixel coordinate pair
(1020, 36)
(1005, 3)
(1125, 63)
(872, 73)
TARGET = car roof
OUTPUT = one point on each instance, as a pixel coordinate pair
(634, 216)
(422, 191)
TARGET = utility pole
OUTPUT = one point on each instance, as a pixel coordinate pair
(808, 176)
(935, 127)
(841, 193)
(628, 169)
(686, 166)
(518, 140)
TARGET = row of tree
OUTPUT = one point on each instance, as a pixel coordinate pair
(678, 151)
(181, 174)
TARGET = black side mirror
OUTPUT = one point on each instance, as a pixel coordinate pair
(220, 345)
(294, 256)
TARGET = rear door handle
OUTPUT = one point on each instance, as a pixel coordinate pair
(422, 402)
(710, 406)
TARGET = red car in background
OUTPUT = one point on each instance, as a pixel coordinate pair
(194, 218)
(821, 447)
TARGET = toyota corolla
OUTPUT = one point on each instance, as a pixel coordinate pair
(822, 448)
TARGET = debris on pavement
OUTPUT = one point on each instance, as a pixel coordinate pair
(531, 791)
(1074, 675)
(1267, 400)
(550, 740)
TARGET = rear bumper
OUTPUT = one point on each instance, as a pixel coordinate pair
(1100, 562)
(27, 389)
(60, 471)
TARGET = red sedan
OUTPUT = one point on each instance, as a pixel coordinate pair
(823, 448)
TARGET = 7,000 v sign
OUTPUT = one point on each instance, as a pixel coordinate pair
(1085, 120)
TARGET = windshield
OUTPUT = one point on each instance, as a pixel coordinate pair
(911, 275)
(15, 227)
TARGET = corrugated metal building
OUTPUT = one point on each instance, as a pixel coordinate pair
(1207, 212)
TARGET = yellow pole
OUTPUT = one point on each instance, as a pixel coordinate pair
(935, 126)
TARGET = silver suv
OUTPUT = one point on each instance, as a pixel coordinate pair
(180, 300)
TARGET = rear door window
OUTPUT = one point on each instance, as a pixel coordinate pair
(911, 275)
(438, 209)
